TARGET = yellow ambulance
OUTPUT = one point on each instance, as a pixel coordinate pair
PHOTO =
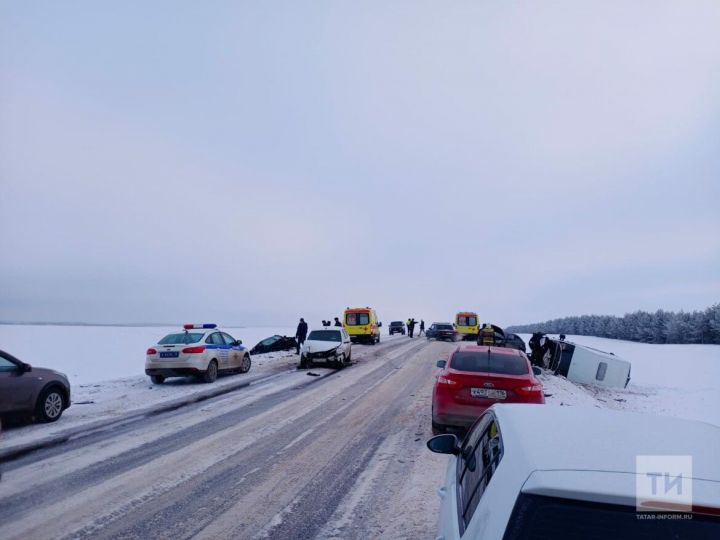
(362, 324)
(467, 325)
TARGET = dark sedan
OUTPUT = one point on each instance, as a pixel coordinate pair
(444, 331)
(274, 344)
(24, 389)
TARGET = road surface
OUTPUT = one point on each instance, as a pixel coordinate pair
(339, 455)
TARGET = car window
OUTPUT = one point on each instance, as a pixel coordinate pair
(215, 339)
(483, 362)
(229, 340)
(537, 517)
(481, 454)
(181, 339)
(269, 341)
(7, 365)
(444, 327)
(357, 319)
(324, 335)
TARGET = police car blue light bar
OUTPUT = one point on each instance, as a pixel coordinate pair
(196, 326)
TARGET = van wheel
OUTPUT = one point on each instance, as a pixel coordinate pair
(50, 404)
(211, 373)
(245, 364)
(157, 379)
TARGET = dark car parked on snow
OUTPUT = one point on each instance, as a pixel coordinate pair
(397, 327)
(513, 341)
(442, 331)
(42, 393)
(274, 344)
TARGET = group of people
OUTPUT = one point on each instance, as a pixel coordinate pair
(411, 327)
(329, 323)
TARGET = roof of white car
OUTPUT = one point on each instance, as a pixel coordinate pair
(552, 437)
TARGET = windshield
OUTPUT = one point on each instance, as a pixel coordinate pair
(482, 362)
(396, 323)
(181, 339)
(357, 319)
(537, 516)
(324, 335)
(444, 327)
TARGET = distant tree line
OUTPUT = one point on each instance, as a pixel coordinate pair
(659, 327)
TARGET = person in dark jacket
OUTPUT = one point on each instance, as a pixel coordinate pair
(337, 322)
(422, 328)
(301, 334)
(411, 327)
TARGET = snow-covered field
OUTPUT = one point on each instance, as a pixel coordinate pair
(671, 380)
(88, 354)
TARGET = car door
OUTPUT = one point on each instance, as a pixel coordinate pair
(482, 456)
(222, 351)
(16, 385)
(235, 353)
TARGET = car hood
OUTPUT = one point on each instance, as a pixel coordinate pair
(320, 346)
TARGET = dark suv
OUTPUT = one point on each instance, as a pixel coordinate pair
(397, 327)
(40, 392)
(442, 331)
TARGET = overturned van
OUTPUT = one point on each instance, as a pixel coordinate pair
(585, 365)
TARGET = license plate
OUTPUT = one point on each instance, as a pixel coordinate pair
(489, 393)
(169, 354)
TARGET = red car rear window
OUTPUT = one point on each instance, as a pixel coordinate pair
(479, 362)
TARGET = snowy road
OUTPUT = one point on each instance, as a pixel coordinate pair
(337, 456)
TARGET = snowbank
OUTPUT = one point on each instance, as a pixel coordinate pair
(672, 380)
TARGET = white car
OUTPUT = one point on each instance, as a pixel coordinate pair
(330, 346)
(566, 472)
(201, 350)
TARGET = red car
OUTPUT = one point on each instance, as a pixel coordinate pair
(474, 378)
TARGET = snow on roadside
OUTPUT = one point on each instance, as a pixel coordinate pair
(670, 380)
(114, 399)
(100, 353)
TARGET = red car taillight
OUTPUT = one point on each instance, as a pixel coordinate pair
(445, 380)
(530, 390)
(194, 350)
(151, 351)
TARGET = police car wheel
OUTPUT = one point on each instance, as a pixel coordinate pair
(211, 373)
(245, 364)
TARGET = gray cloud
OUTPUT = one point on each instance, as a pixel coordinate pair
(250, 163)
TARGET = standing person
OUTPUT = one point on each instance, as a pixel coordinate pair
(411, 327)
(422, 328)
(301, 334)
(337, 322)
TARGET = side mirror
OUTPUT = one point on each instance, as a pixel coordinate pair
(444, 444)
(26, 368)
(536, 370)
(379, 324)
(238, 342)
(441, 363)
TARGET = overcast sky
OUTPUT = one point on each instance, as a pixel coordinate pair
(253, 162)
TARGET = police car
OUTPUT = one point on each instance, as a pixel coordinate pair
(201, 350)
